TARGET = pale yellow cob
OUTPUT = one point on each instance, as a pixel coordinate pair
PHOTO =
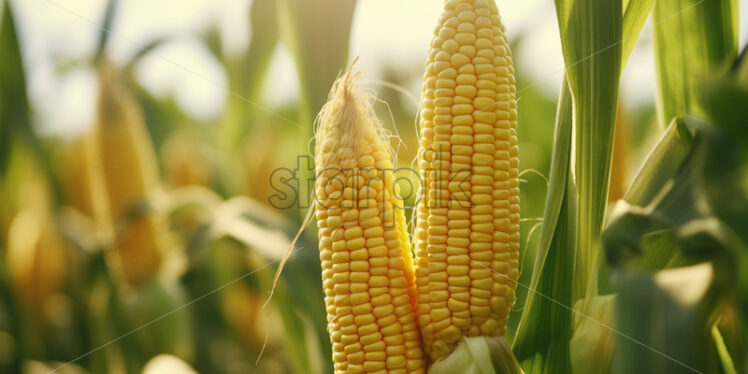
(467, 235)
(36, 257)
(129, 168)
(367, 266)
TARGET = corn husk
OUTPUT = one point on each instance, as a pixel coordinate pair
(479, 355)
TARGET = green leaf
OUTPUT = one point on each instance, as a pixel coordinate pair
(241, 219)
(14, 114)
(663, 319)
(304, 279)
(740, 68)
(105, 29)
(557, 181)
(594, 51)
(623, 237)
(694, 213)
(158, 314)
(728, 366)
(592, 345)
(725, 100)
(247, 75)
(636, 13)
(721, 174)
(295, 333)
(591, 34)
(661, 164)
(544, 347)
(692, 38)
(681, 196)
(15, 120)
(265, 31)
(317, 33)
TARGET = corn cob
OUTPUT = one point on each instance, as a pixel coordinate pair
(367, 268)
(84, 184)
(128, 165)
(36, 257)
(467, 233)
(185, 161)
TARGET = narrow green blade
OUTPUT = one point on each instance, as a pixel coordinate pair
(317, 33)
(591, 35)
(247, 72)
(634, 16)
(542, 347)
(661, 164)
(14, 118)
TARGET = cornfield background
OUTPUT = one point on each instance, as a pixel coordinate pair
(633, 133)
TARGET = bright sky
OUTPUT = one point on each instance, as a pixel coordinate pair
(386, 32)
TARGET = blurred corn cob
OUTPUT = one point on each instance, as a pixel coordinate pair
(36, 259)
(467, 235)
(185, 161)
(367, 268)
(241, 303)
(84, 186)
(129, 168)
(241, 306)
(260, 160)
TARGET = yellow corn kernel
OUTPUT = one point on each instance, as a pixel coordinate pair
(469, 165)
(373, 317)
